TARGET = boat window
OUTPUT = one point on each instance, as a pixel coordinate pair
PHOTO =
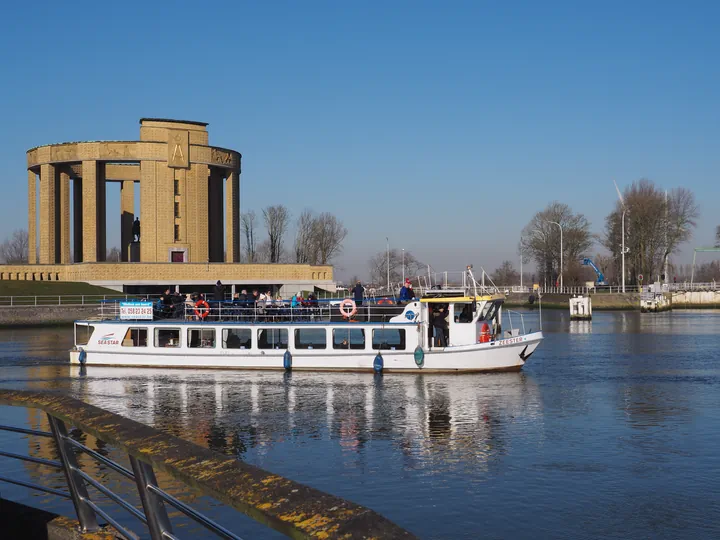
(489, 311)
(167, 337)
(83, 333)
(463, 312)
(389, 339)
(236, 338)
(201, 338)
(348, 338)
(135, 337)
(310, 338)
(272, 338)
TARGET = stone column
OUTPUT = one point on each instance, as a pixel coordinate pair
(64, 217)
(101, 213)
(77, 220)
(196, 212)
(127, 216)
(215, 215)
(232, 217)
(48, 230)
(32, 217)
(89, 211)
(148, 225)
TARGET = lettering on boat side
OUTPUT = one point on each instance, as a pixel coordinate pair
(108, 339)
(510, 341)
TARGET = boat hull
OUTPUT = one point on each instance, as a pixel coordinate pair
(501, 355)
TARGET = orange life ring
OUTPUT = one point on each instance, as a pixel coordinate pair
(349, 303)
(385, 301)
(205, 308)
(484, 336)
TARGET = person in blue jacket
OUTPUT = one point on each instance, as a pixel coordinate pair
(406, 292)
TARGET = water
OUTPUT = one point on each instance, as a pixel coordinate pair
(611, 431)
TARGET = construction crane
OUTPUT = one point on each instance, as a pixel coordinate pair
(600, 276)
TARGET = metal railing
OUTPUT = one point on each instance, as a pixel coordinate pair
(67, 300)
(269, 499)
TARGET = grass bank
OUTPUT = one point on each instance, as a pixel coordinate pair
(52, 288)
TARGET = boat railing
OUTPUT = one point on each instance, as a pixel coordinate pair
(279, 503)
(321, 311)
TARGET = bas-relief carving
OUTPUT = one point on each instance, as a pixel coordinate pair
(220, 157)
(109, 150)
(64, 153)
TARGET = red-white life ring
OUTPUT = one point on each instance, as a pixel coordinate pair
(348, 303)
(202, 308)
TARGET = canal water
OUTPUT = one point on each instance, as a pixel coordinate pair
(611, 431)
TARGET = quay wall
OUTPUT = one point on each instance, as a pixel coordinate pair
(696, 299)
(44, 315)
(609, 301)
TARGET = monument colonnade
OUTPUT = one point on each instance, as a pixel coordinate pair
(181, 181)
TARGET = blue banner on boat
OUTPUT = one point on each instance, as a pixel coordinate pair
(136, 311)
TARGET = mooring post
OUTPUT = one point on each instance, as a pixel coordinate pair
(78, 490)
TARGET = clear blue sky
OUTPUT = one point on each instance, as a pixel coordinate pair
(442, 125)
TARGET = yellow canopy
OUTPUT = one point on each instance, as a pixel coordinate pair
(454, 299)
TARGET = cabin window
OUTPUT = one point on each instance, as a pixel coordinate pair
(272, 338)
(236, 338)
(203, 338)
(310, 338)
(167, 337)
(348, 338)
(392, 339)
(135, 337)
(490, 311)
(83, 333)
(463, 313)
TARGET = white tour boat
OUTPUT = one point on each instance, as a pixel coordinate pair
(339, 336)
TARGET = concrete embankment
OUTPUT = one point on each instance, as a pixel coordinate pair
(602, 301)
(696, 300)
(44, 315)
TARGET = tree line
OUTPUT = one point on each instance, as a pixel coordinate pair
(318, 239)
(657, 223)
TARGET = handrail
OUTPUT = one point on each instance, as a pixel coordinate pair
(291, 508)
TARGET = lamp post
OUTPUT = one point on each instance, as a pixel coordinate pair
(388, 263)
(622, 202)
(561, 251)
(403, 265)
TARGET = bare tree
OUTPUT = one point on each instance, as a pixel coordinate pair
(655, 227)
(14, 250)
(113, 255)
(304, 249)
(506, 274)
(717, 236)
(276, 221)
(541, 239)
(328, 236)
(379, 266)
(247, 225)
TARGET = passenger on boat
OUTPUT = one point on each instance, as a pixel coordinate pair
(358, 293)
(219, 292)
(166, 304)
(440, 325)
(406, 292)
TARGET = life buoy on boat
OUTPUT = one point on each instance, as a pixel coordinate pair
(484, 333)
(385, 301)
(348, 308)
(202, 308)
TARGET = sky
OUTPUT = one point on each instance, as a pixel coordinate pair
(443, 126)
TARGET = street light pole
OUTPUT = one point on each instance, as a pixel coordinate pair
(388, 263)
(623, 249)
(403, 265)
(561, 251)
